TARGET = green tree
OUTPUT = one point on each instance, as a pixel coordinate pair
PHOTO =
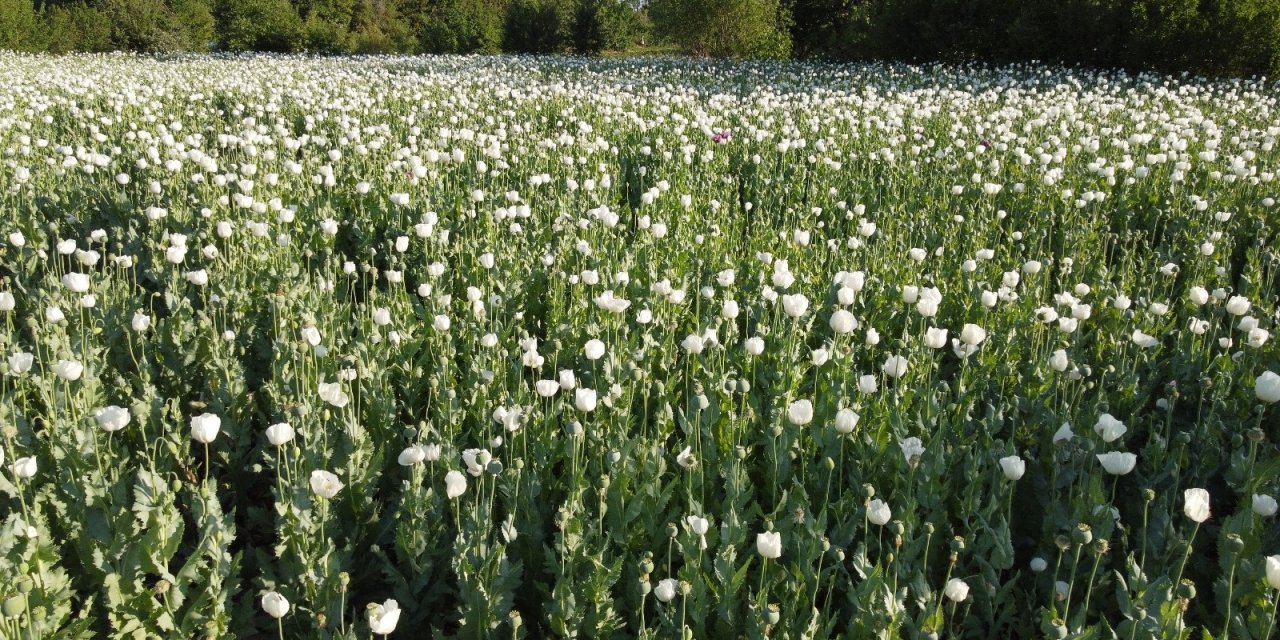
(1241, 37)
(18, 25)
(377, 27)
(538, 26)
(462, 26)
(260, 25)
(144, 25)
(326, 25)
(198, 26)
(732, 28)
(1163, 34)
(819, 26)
(91, 29)
(606, 24)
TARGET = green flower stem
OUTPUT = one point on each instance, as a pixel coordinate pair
(1071, 588)
(1231, 583)
(1275, 609)
(1088, 594)
(1186, 556)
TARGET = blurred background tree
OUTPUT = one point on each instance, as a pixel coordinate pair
(1211, 37)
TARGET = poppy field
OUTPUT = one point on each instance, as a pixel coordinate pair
(509, 347)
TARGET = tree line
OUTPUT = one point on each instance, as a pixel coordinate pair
(322, 26)
(1216, 37)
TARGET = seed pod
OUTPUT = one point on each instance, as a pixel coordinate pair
(1234, 543)
(13, 606)
(1082, 534)
(772, 614)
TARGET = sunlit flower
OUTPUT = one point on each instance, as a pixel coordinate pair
(1267, 387)
(20, 363)
(205, 427)
(383, 617)
(800, 412)
(878, 512)
(332, 393)
(769, 545)
(972, 335)
(956, 590)
(1196, 504)
(1013, 466)
(912, 450)
(112, 418)
(895, 366)
(686, 458)
(1109, 427)
(846, 420)
(666, 590)
(1273, 571)
(1264, 505)
(795, 305)
(455, 484)
(842, 322)
(699, 526)
(69, 370)
(275, 605)
(280, 434)
(1117, 462)
(325, 484)
(1238, 305)
(934, 338)
(411, 455)
(584, 400)
(25, 468)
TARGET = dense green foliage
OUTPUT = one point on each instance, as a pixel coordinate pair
(321, 26)
(549, 347)
(1215, 37)
(724, 27)
(1231, 37)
